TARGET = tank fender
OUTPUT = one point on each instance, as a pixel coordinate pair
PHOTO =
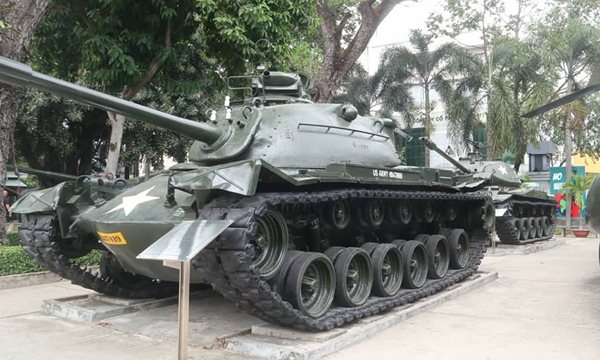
(240, 177)
(43, 200)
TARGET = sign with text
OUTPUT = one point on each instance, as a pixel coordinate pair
(558, 178)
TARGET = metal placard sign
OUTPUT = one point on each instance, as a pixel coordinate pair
(185, 240)
(176, 249)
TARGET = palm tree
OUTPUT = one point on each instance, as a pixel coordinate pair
(436, 70)
(577, 187)
(374, 94)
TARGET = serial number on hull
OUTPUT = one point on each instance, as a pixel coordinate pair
(387, 173)
(112, 238)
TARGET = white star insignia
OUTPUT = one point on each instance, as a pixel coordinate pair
(130, 202)
(502, 169)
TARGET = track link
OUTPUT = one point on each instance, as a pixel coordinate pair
(228, 262)
(38, 236)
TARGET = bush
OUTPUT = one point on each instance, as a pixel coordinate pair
(13, 239)
(13, 260)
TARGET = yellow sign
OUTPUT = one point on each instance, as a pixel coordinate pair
(112, 238)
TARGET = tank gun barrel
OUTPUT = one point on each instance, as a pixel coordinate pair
(18, 74)
(431, 145)
(47, 174)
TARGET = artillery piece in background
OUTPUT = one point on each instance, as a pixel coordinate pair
(522, 215)
(328, 226)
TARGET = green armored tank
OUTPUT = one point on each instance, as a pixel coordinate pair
(593, 207)
(522, 215)
(327, 228)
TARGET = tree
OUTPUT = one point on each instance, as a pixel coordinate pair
(61, 135)
(570, 35)
(346, 29)
(578, 186)
(19, 19)
(488, 18)
(380, 94)
(435, 69)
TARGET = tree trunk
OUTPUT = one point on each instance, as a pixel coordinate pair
(568, 167)
(427, 124)
(337, 61)
(22, 16)
(117, 122)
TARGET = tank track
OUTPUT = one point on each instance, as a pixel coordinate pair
(228, 261)
(38, 237)
(507, 231)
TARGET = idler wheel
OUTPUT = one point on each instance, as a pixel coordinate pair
(373, 212)
(531, 227)
(428, 211)
(401, 211)
(354, 276)
(310, 284)
(388, 268)
(545, 225)
(437, 251)
(415, 264)
(537, 222)
(458, 248)
(271, 243)
(338, 214)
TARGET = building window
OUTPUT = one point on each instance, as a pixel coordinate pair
(415, 150)
(539, 162)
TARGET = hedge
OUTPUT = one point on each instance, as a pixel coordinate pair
(13, 238)
(13, 260)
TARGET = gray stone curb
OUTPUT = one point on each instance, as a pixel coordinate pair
(505, 249)
(21, 280)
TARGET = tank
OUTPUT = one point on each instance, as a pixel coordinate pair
(327, 226)
(593, 207)
(522, 215)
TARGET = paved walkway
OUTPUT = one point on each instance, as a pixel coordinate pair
(544, 306)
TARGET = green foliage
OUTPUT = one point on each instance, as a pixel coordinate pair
(578, 186)
(234, 29)
(13, 260)
(13, 238)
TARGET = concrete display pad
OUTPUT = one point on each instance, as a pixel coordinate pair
(507, 249)
(269, 341)
(218, 325)
(96, 307)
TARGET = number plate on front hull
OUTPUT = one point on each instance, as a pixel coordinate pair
(112, 238)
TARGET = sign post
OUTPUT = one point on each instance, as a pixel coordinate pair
(176, 249)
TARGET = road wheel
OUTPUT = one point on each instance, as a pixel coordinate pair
(415, 264)
(354, 277)
(545, 225)
(437, 251)
(523, 230)
(531, 227)
(310, 284)
(388, 270)
(458, 247)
